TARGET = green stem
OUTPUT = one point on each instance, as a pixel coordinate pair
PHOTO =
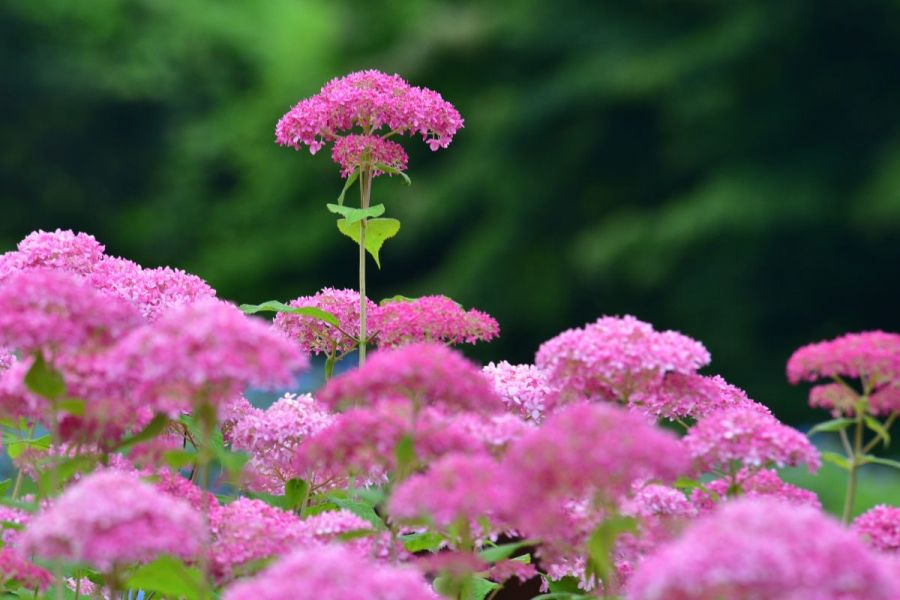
(855, 463)
(365, 192)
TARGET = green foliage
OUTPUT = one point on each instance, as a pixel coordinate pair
(831, 426)
(377, 232)
(467, 588)
(169, 576)
(44, 380)
(352, 215)
(280, 307)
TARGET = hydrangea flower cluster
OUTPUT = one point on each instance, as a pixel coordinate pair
(430, 319)
(112, 518)
(752, 483)
(762, 548)
(353, 150)
(370, 100)
(523, 388)
(880, 528)
(316, 336)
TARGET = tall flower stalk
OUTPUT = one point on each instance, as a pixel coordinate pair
(359, 113)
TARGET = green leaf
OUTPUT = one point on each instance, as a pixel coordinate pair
(44, 380)
(602, 541)
(876, 426)
(352, 215)
(304, 311)
(502, 551)
(377, 232)
(565, 585)
(836, 459)
(392, 171)
(424, 541)
(150, 431)
(472, 588)
(397, 298)
(685, 483)
(73, 406)
(831, 426)
(17, 447)
(4, 486)
(349, 183)
(176, 459)
(329, 367)
(295, 492)
(360, 509)
(168, 576)
(50, 479)
(405, 453)
(883, 461)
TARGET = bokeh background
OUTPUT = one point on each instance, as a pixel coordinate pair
(727, 169)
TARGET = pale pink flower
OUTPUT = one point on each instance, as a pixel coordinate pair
(6, 360)
(61, 249)
(354, 150)
(317, 336)
(756, 548)
(334, 573)
(430, 319)
(494, 432)
(204, 352)
(10, 514)
(16, 568)
(879, 527)
(748, 435)
(429, 374)
(371, 100)
(873, 356)
(837, 398)
(55, 311)
(458, 488)
(248, 530)
(272, 437)
(153, 291)
(683, 395)
(523, 388)
(616, 357)
(112, 518)
(752, 483)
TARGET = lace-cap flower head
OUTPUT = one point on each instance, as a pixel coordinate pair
(333, 572)
(373, 102)
(756, 548)
(316, 336)
(430, 319)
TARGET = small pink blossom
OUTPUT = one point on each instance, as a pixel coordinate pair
(752, 483)
(10, 514)
(751, 436)
(879, 527)
(683, 395)
(428, 374)
(63, 250)
(112, 518)
(352, 151)
(757, 548)
(872, 355)
(615, 357)
(430, 319)
(316, 336)
(523, 388)
(334, 573)
(16, 568)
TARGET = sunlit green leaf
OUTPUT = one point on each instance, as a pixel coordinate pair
(377, 232)
(347, 185)
(879, 429)
(304, 311)
(352, 215)
(168, 576)
(44, 380)
(836, 459)
(831, 426)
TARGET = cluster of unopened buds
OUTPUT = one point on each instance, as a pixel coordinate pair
(610, 467)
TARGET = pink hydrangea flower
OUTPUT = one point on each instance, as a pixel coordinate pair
(879, 527)
(61, 249)
(753, 483)
(456, 488)
(837, 398)
(584, 451)
(429, 374)
(371, 100)
(683, 395)
(15, 567)
(6, 359)
(763, 548)
(430, 319)
(615, 357)
(112, 518)
(523, 388)
(153, 291)
(872, 355)
(10, 514)
(249, 530)
(335, 573)
(353, 150)
(751, 436)
(318, 337)
(52, 310)
(494, 432)
(272, 437)
(208, 351)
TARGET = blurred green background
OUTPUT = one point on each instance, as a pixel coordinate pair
(727, 169)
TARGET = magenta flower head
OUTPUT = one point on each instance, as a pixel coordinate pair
(880, 528)
(49, 310)
(753, 483)
(871, 357)
(316, 336)
(62, 250)
(428, 374)
(332, 572)
(751, 436)
(374, 103)
(16, 568)
(112, 518)
(523, 388)
(757, 548)
(617, 357)
(205, 352)
(430, 319)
